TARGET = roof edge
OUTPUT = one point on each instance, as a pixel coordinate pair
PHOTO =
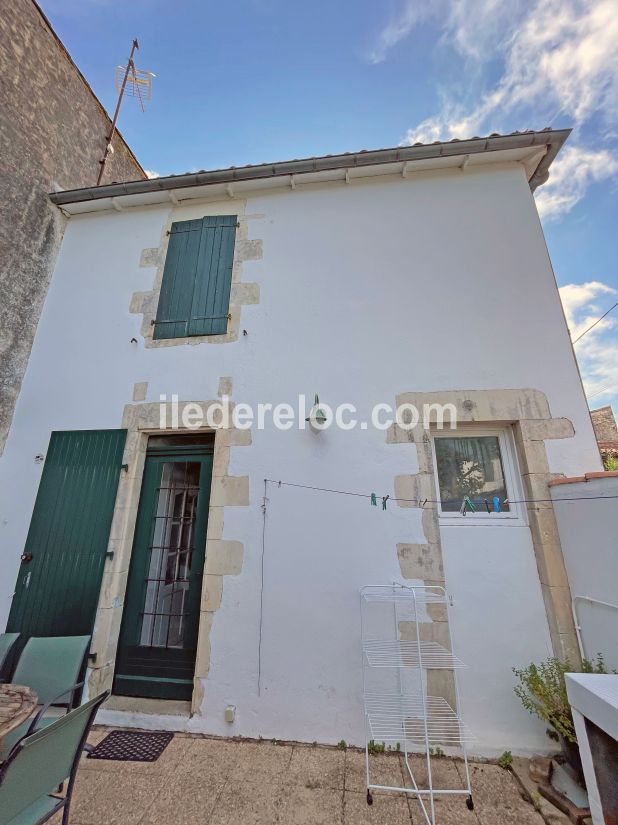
(551, 139)
(558, 482)
(64, 49)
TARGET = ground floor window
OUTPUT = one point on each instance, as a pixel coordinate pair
(477, 470)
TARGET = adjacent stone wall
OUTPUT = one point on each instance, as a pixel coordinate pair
(604, 424)
(53, 131)
(606, 432)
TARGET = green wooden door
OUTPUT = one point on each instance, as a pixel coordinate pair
(158, 637)
(58, 583)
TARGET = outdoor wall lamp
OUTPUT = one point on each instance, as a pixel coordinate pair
(317, 418)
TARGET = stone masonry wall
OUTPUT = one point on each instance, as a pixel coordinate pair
(53, 130)
(604, 424)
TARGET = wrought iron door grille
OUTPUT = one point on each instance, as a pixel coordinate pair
(164, 613)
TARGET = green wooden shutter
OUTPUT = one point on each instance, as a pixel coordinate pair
(197, 278)
(178, 283)
(57, 591)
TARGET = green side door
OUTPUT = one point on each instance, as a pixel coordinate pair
(158, 637)
(59, 580)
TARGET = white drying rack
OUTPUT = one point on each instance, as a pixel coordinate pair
(398, 711)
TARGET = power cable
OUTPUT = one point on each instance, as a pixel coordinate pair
(592, 326)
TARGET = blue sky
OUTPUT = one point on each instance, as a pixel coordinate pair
(265, 80)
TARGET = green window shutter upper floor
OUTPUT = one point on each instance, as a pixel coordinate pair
(195, 292)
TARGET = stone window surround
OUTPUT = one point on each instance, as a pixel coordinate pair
(241, 294)
(223, 556)
(527, 412)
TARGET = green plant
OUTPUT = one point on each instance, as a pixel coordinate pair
(342, 745)
(536, 800)
(610, 462)
(542, 691)
(506, 760)
(375, 747)
(435, 750)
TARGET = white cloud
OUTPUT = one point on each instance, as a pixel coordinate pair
(481, 29)
(571, 173)
(151, 174)
(580, 305)
(399, 26)
(597, 351)
(558, 57)
(474, 27)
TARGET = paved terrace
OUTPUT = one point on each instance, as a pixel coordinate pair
(202, 781)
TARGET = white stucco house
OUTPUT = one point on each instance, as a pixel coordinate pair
(220, 602)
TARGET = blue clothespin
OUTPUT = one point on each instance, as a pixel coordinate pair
(496, 501)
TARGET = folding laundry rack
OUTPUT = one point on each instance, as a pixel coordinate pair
(398, 711)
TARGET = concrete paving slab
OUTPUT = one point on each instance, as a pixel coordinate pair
(209, 781)
(316, 767)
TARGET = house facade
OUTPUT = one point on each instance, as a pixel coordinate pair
(220, 566)
(53, 133)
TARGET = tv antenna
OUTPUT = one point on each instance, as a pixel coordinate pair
(135, 83)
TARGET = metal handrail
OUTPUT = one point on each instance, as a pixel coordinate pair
(589, 600)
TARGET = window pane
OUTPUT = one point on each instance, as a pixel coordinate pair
(470, 466)
(163, 617)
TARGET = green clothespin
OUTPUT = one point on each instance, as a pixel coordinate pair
(374, 500)
(470, 504)
(384, 500)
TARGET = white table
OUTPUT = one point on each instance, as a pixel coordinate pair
(594, 697)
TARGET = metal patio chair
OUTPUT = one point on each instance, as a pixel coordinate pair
(7, 641)
(50, 666)
(40, 763)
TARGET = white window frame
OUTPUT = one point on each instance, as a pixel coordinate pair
(512, 477)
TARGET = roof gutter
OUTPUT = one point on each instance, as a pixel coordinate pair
(551, 139)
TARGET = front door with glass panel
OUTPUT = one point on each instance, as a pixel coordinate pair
(158, 638)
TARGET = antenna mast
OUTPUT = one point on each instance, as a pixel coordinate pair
(136, 80)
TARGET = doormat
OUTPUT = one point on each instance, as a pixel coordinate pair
(132, 746)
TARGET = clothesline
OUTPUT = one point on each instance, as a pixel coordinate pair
(420, 502)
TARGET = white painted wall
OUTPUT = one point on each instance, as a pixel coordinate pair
(437, 282)
(498, 622)
(589, 538)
